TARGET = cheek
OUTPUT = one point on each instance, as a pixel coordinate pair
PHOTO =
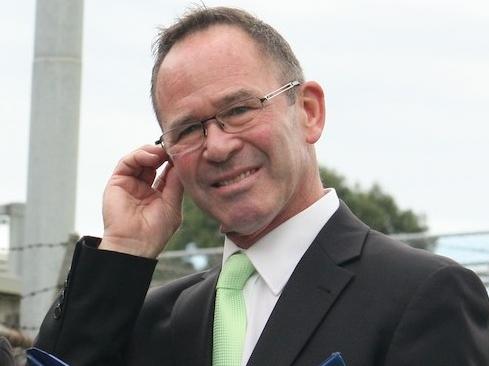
(265, 137)
(277, 141)
(185, 168)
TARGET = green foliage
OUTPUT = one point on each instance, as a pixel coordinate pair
(373, 206)
(197, 227)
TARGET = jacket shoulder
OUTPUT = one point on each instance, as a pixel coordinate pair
(382, 250)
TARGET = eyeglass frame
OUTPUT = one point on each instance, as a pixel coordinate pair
(265, 98)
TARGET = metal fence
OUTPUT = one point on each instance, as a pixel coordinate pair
(469, 249)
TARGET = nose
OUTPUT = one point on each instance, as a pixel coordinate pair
(219, 146)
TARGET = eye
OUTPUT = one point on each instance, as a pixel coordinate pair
(241, 109)
(237, 110)
(188, 130)
(182, 133)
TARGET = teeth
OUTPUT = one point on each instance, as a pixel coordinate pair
(237, 179)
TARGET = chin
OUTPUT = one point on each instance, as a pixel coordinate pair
(246, 224)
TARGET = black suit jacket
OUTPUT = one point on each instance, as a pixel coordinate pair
(6, 353)
(355, 291)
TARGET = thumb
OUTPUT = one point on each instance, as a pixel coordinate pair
(172, 193)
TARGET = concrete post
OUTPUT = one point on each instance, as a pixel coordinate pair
(53, 149)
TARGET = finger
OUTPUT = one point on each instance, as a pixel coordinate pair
(173, 189)
(154, 149)
(159, 182)
(146, 157)
(148, 175)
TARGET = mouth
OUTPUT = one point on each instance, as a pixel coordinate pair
(234, 180)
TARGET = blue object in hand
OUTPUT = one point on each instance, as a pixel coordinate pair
(334, 360)
(37, 357)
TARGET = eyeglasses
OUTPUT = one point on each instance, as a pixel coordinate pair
(235, 118)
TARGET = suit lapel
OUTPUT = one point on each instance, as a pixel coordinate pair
(314, 286)
(192, 321)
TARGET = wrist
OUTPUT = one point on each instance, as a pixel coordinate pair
(127, 246)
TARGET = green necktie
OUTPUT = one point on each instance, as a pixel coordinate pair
(230, 311)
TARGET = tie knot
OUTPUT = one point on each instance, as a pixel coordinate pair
(235, 272)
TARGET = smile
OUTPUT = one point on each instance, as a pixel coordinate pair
(234, 180)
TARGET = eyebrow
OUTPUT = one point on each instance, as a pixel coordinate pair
(237, 96)
(227, 100)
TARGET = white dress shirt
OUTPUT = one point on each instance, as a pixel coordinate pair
(275, 257)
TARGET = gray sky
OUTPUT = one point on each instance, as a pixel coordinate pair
(406, 85)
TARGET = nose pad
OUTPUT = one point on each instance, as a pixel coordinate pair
(219, 145)
(206, 123)
(218, 131)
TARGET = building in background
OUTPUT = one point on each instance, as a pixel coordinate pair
(10, 295)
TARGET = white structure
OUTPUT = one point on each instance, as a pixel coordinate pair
(10, 284)
(53, 149)
(15, 212)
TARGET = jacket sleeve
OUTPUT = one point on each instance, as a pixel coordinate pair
(92, 320)
(445, 323)
(6, 354)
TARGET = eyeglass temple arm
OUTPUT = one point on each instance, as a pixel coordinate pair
(280, 90)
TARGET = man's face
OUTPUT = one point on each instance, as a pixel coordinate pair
(250, 181)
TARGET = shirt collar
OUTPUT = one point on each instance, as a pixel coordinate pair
(276, 255)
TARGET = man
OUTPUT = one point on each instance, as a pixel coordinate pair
(239, 125)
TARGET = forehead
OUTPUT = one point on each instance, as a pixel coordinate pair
(209, 64)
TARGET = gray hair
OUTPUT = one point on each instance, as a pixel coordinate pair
(269, 41)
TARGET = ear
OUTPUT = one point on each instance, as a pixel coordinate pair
(312, 110)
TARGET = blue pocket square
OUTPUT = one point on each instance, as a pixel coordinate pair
(37, 357)
(334, 360)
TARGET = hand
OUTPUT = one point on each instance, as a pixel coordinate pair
(141, 214)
